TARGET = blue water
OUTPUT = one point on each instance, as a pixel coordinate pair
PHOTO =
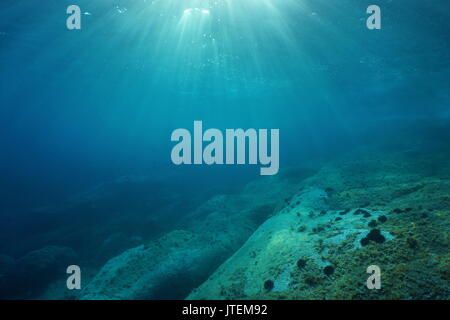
(83, 108)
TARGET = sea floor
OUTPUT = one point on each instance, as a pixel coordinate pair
(302, 234)
(368, 208)
(292, 237)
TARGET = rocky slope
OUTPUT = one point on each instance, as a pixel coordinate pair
(390, 210)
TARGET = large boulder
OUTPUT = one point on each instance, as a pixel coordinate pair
(34, 271)
(301, 236)
(165, 269)
(169, 267)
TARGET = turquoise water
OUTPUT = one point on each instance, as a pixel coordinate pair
(86, 115)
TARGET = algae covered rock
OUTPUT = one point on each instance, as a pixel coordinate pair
(169, 267)
(164, 269)
(37, 269)
(289, 257)
(46, 260)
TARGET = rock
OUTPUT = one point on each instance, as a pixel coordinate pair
(372, 224)
(367, 215)
(181, 258)
(301, 263)
(374, 235)
(328, 270)
(363, 212)
(277, 247)
(169, 267)
(47, 259)
(34, 271)
(268, 285)
(412, 243)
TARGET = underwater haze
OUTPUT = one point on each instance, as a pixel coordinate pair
(87, 178)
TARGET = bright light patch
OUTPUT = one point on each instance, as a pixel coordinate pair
(196, 10)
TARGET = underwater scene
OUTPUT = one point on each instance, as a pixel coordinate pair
(225, 150)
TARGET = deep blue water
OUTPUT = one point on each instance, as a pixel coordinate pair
(85, 107)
